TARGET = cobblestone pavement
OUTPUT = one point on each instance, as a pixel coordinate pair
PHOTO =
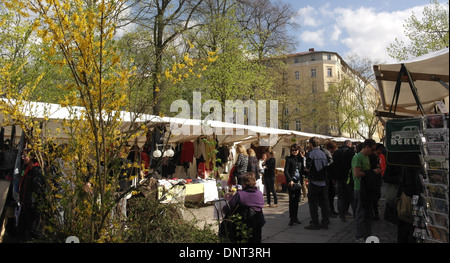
(277, 230)
(338, 232)
(384, 230)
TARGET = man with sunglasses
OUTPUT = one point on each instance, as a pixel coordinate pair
(363, 193)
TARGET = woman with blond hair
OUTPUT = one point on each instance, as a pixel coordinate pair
(253, 167)
(241, 163)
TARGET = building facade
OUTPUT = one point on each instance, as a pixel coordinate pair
(321, 95)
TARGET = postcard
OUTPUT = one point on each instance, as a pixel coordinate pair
(438, 233)
(436, 162)
(437, 205)
(436, 135)
(436, 148)
(437, 177)
(438, 219)
(433, 121)
(437, 191)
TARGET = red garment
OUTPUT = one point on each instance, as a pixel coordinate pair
(146, 159)
(25, 175)
(187, 152)
(201, 171)
(231, 180)
(24, 184)
(382, 161)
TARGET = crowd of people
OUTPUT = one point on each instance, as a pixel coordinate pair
(353, 173)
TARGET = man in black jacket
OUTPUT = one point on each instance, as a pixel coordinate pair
(316, 164)
(293, 171)
(342, 164)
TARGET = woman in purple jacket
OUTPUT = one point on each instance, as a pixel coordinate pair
(250, 198)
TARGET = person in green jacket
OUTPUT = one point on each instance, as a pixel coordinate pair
(361, 168)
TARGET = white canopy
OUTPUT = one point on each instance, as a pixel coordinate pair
(226, 132)
(426, 72)
(343, 139)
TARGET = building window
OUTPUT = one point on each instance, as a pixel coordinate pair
(329, 72)
(295, 60)
(298, 125)
(297, 75)
(313, 73)
(286, 125)
(313, 58)
(329, 56)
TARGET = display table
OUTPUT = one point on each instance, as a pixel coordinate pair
(174, 194)
(203, 191)
(194, 192)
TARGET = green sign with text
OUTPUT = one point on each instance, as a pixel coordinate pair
(402, 135)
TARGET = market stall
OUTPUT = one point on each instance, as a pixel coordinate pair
(430, 76)
(415, 110)
(183, 145)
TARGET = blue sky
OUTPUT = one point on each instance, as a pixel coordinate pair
(365, 28)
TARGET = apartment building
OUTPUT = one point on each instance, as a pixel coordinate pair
(308, 78)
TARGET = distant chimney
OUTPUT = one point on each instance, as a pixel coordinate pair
(311, 50)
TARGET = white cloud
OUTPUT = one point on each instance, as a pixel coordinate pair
(313, 37)
(326, 10)
(363, 31)
(368, 33)
(307, 16)
(336, 33)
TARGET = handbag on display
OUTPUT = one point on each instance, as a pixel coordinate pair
(404, 208)
(392, 194)
(402, 135)
(402, 142)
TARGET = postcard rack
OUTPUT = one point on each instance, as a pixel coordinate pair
(431, 208)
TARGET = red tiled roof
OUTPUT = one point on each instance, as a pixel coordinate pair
(301, 53)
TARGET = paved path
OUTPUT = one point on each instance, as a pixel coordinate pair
(277, 230)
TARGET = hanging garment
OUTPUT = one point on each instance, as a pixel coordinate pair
(199, 148)
(154, 138)
(222, 153)
(187, 153)
(168, 167)
(210, 156)
(177, 154)
(199, 160)
(146, 160)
